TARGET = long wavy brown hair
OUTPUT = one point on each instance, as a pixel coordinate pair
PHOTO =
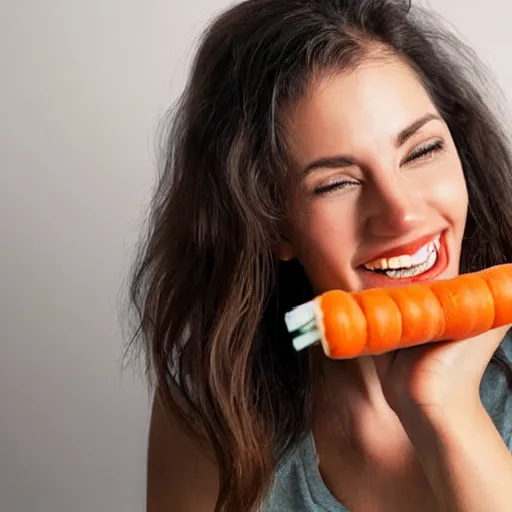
(209, 294)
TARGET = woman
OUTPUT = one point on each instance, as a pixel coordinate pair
(314, 139)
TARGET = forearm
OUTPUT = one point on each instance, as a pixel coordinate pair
(465, 460)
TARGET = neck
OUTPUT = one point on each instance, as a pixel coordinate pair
(347, 382)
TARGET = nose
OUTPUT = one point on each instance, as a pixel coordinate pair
(394, 209)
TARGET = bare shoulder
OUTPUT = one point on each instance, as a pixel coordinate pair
(181, 477)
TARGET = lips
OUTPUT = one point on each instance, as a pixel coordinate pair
(405, 249)
(375, 280)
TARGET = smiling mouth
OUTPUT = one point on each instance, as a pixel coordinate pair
(407, 266)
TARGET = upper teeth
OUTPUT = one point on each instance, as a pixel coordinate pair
(405, 261)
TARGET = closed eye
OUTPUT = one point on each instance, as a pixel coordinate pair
(334, 186)
(425, 151)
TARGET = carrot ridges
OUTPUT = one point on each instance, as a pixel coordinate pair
(380, 320)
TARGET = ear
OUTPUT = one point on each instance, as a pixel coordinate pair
(283, 250)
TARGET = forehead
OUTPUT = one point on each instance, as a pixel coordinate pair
(370, 104)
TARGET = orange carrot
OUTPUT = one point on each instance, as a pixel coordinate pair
(380, 320)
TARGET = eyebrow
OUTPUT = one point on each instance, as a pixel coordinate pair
(339, 161)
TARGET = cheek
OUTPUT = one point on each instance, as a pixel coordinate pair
(449, 193)
(326, 240)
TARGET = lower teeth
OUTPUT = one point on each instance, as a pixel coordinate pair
(413, 271)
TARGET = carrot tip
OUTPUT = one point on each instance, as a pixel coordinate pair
(302, 325)
(305, 340)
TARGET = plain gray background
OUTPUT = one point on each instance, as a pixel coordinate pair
(83, 85)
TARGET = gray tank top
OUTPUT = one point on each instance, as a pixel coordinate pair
(298, 485)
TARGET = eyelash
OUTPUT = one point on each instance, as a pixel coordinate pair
(426, 151)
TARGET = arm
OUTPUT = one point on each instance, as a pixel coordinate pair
(466, 461)
(181, 478)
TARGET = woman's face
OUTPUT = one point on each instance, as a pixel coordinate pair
(378, 194)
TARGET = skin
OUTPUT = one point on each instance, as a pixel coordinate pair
(181, 476)
(416, 413)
